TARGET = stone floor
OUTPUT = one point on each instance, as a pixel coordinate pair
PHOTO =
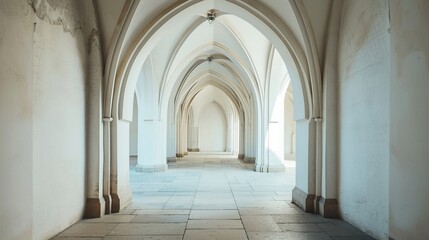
(212, 198)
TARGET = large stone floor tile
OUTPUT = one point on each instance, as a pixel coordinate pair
(182, 206)
(159, 218)
(209, 200)
(78, 238)
(214, 194)
(260, 224)
(215, 235)
(268, 211)
(252, 198)
(353, 238)
(282, 198)
(113, 218)
(175, 237)
(137, 205)
(299, 227)
(300, 218)
(214, 214)
(214, 224)
(242, 193)
(340, 229)
(125, 211)
(82, 229)
(214, 206)
(163, 212)
(261, 204)
(137, 229)
(287, 236)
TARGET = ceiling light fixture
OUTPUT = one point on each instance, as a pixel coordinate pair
(210, 17)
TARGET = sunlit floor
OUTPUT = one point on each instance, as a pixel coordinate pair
(212, 197)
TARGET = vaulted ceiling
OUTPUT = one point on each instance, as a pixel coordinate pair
(188, 52)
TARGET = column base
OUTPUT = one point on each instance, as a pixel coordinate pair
(249, 160)
(116, 203)
(151, 168)
(121, 200)
(328, 208)
(171, 159)
(241, 156)
(94, 208)
(303, 200)
(193, 149)
(179, 155)
(107, 204)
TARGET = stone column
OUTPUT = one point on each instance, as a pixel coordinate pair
(149, 159)
(303, 194)
(95, 204)
(328, 205)
(119, 165)
(106, 165)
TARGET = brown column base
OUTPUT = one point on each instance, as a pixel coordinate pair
(241, 156)
(249, 160)
(171, 159)
(303, 200)
(107, 204)
(116, 203)
(328, 208)
(316, 204)
(94, 208)
(179, 155)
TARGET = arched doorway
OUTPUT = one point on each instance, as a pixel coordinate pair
(255, 100)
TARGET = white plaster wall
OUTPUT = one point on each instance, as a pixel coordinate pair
(134, 130)
(409, 113)
(364, 116)
(16, 107)
(212, 129)
(59, 119)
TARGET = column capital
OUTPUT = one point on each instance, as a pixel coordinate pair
(107, 119)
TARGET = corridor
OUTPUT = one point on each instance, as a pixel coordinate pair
(212, 197)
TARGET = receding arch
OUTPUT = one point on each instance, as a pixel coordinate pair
(279, 34)
(123, 75)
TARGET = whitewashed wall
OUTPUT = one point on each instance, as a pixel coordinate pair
(134, 130)
(289, 129)
(409, 113)
(43, 93)
(364, 116)
(16, 106)
(212, 129)
(59, 150)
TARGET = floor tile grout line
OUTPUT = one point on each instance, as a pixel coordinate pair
(236, 205)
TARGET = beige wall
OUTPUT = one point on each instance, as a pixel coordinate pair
(363, 89)
(16, 107)
(42, 100)
(59, 118)
(409, 114)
